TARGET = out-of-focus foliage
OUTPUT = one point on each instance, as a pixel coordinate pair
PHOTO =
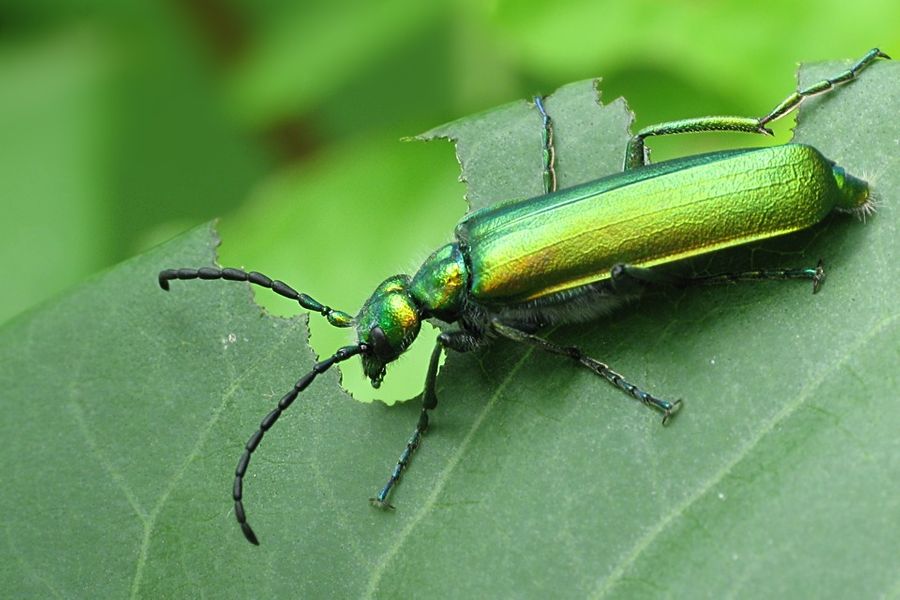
(123, 122)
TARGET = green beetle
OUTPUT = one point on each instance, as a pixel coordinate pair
(575, 254)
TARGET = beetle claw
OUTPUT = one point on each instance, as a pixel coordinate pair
(382, 504)
(671, 411)
(819, 277)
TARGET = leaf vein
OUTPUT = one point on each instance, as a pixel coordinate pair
(194, 452)
(78, 412)
(618, 573)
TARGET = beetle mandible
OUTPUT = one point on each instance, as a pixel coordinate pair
(575, 254)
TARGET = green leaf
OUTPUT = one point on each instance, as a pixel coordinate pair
(126, 409)
(496, 149)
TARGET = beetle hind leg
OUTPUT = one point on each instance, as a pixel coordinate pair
(637, 154)
(815, 274)
(825, 85)
(626, 277)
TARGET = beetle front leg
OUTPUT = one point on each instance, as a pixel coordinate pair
(461, 341)
(599, 368)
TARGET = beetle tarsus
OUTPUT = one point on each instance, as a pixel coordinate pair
(671, 412)
(819, 277)
(381, 504)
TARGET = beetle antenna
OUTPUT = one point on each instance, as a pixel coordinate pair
(320, 367)
(335, 317)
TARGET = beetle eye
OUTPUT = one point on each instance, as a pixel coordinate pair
(380, 345)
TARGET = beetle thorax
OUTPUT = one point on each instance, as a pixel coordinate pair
(441, 284)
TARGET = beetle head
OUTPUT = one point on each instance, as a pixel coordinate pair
(387, 324)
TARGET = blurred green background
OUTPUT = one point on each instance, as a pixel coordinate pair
(123, 123)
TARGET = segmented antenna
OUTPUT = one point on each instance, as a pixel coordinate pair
(335, 317)
(266, 424)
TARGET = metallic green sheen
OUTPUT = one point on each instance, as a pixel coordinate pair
(439, 286)
(393, 310)
(647, 216)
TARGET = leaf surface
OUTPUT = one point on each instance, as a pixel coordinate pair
(126, 409)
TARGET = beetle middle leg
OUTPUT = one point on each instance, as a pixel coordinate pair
(599, 368)
(548, 150)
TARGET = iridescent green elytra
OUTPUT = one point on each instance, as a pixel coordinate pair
(575, 254)
(644, 217)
